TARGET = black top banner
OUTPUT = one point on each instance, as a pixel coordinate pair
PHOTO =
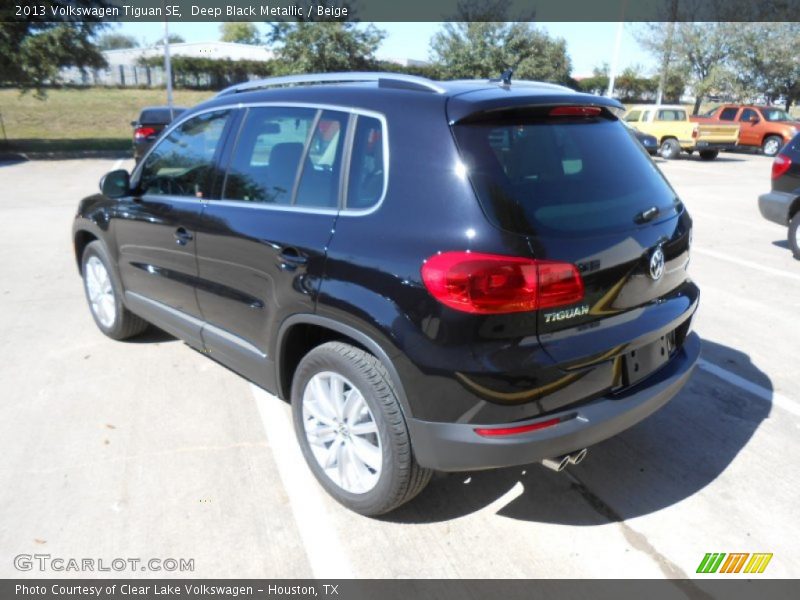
(400, 10)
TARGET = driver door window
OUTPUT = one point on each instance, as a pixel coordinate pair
(182, 163)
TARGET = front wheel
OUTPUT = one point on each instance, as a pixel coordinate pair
(670, 148)
(352, 432)
(104, 295)
(794, 235)
(709, 154)
(772, 145)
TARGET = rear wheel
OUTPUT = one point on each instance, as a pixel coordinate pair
(794, 235)
(709, 154)
(772, 145)
(351, 430)
(104, 295)
(670, 148)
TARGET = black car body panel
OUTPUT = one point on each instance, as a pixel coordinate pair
(238, 279)
(783, 201)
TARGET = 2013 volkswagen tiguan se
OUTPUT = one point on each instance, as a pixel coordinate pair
(437, 275)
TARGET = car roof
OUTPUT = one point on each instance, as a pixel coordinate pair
(374, 90)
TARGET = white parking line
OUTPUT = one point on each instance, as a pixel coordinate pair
(324, 550)
(756, 390)
(746, 263)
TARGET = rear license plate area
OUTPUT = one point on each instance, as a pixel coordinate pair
(639, 363)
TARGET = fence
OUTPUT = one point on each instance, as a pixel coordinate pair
(116, 76)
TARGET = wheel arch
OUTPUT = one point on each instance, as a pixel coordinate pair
(81, 239)
(299, 334)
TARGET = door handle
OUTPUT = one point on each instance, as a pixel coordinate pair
(291, 259)
(182, 236)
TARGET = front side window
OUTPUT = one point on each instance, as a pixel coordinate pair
(182, 163)
(288, 156)
(776, 114)
(748, 114)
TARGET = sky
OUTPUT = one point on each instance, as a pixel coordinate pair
(588, 44)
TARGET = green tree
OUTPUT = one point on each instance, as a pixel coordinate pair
(319, 47)
(241, 33)
(765, 63)
(481, 42)
(116, 41)
(704, 50)
(172, 38)
(32, 53)
(485, 49)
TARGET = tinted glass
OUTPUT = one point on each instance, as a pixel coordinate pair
(159, 115)
(563, 177)
(267, 156)
(367, 171)
(319, 182)
(728, 114)
(748, 114)
(182, 163)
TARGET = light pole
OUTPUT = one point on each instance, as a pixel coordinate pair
(612, 72)
(168, 68)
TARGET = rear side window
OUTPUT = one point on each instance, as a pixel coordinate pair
(367, 170)
(728, 114)
(671, 114)
(288, 156)
(561, 176)
(182, 163)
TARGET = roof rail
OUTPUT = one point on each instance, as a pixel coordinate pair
(389, 80)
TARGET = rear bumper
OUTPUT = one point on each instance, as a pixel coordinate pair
(456, 446)
(703, 145)
(774, 206)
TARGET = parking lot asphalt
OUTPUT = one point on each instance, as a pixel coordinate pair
(146, 449)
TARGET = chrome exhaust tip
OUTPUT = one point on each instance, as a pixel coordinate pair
(576, 458)
(557, 463)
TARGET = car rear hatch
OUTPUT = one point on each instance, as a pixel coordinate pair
(562, 171)
(786, 168)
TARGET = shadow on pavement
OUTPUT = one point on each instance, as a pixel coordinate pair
(663, 460)
(781, 244)
(152, 335)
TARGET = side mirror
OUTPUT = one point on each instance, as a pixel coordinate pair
(116, 184)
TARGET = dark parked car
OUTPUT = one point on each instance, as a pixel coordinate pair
(151, 122)
(782, 204)
(648, 142)
(438, 275)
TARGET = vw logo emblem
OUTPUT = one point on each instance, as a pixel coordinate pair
(657, 264)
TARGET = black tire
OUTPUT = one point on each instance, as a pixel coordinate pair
(670, 149)
(708, 154)
(125, 324)
(400, 478)
(772, 145)
(794, 232)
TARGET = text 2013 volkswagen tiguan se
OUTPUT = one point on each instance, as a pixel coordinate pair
(438, 276)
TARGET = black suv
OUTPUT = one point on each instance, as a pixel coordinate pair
(782, 204)
(438, 276)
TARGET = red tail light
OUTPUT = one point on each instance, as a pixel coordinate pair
(499, 431)
(143, 132)
(575, 111)
(494, 284)
(780, 165)
(695, 132)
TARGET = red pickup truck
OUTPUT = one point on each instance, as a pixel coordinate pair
(765, 127)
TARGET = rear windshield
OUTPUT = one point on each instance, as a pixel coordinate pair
(573, 176)
(159, 115)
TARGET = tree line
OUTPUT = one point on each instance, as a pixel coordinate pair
(739, 61)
